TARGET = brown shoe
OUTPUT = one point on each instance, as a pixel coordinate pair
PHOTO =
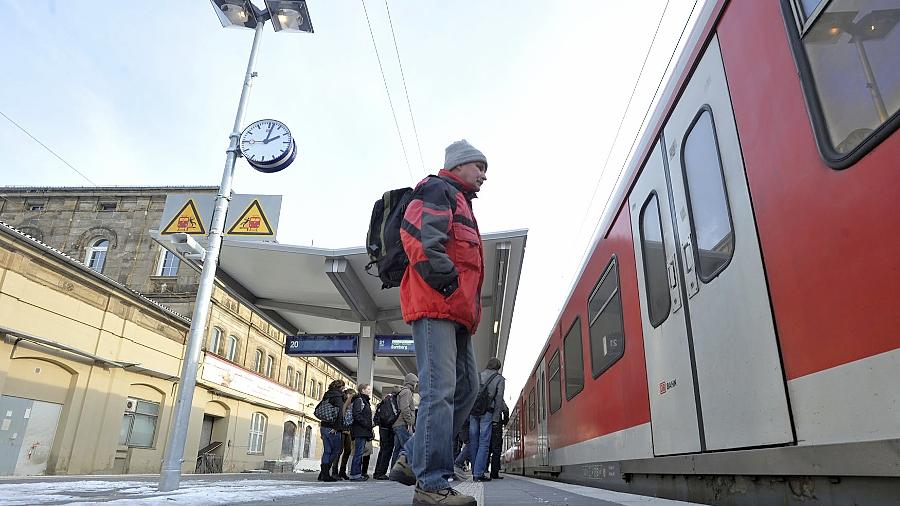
(445, 497)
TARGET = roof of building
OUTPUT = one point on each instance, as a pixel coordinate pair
(104, 189)
(59, 255)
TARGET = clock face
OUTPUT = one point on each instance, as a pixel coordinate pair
(266, 141)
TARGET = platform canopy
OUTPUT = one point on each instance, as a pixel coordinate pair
(324, 291)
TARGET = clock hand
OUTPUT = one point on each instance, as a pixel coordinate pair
(273, 138)
(266, 140)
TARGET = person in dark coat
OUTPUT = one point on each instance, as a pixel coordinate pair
(386, 440)
(330, 431)
(346, 440)
(361, 430)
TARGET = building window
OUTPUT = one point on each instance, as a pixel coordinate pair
(257, 441)
(139, 423)
(289, 377)
(232, 348)
(846, 51)
(36, 207)
(606, 329)
(574, 360)
(707, 198)
(319, 392)
(270, 366)
(258, 363)
(106, 206)
(298, 381)
(168, 264)
(554, 384)
(287, 438)
(96, 255)
(307, 441)
(312, 389)
(215, 341)
(654, 255)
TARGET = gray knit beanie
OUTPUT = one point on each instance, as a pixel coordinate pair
(461, 152)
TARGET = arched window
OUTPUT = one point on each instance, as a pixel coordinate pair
(96, 255)
(289, 377)
(298, 381)
(257, 440)
(319, 392)
(270, 366)
(215, 341)
(312, 388)
(287, 438)
(232, 348)
(257, 365)
(307, 441)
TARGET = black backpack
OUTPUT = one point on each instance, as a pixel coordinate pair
(383, 240)
(483, 400)
(387, 411)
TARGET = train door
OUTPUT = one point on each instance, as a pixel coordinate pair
(543, 439)
(714, 277)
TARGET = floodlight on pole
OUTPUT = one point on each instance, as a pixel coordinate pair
(239, 14)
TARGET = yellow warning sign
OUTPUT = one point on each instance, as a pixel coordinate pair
(186, 221)
(252, 221)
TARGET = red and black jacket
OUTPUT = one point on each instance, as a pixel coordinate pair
(446, 261)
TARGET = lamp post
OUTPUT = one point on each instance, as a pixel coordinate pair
(286, 15)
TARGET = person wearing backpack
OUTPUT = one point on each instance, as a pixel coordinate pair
(386, 413)
(360, 429)
(440, 297)
(404, 424)
(486, 411)
(330, 429)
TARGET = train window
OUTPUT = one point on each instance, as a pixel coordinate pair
(655, 276)
(846, 51)
(531, 416)
(707, 198)
(574, 360)
(554, 384)
(606, 324)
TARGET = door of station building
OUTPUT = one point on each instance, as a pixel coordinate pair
(713, 365)
(27, 430)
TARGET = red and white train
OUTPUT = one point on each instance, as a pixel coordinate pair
(733, 336)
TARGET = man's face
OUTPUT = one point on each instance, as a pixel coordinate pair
(474, 173)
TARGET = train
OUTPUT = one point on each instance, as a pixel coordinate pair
(733, 334)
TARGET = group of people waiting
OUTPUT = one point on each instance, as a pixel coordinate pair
(479, 443)
(352, 432)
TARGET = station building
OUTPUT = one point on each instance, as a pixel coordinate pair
(93, 317)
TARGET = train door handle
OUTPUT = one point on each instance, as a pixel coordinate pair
(673, 283)
(688, 257)
(673, 277)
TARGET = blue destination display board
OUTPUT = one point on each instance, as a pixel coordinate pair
(334, 345)
(395, 346)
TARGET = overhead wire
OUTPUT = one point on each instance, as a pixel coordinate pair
(405, 89)
(622, 119)
(35, 139)
(387, 90)
(646, 113)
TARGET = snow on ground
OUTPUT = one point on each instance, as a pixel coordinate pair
(139, 493)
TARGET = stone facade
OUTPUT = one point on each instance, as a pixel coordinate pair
(73, 219)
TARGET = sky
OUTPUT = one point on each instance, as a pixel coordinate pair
(137, 93)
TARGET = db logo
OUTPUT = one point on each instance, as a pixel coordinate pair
(665, 386)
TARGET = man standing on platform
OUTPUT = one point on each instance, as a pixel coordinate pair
(440, 296)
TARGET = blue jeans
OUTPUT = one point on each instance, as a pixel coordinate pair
(359, 445)
(448, 384)
(332, 445)
(401, 436)
(480, 440)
